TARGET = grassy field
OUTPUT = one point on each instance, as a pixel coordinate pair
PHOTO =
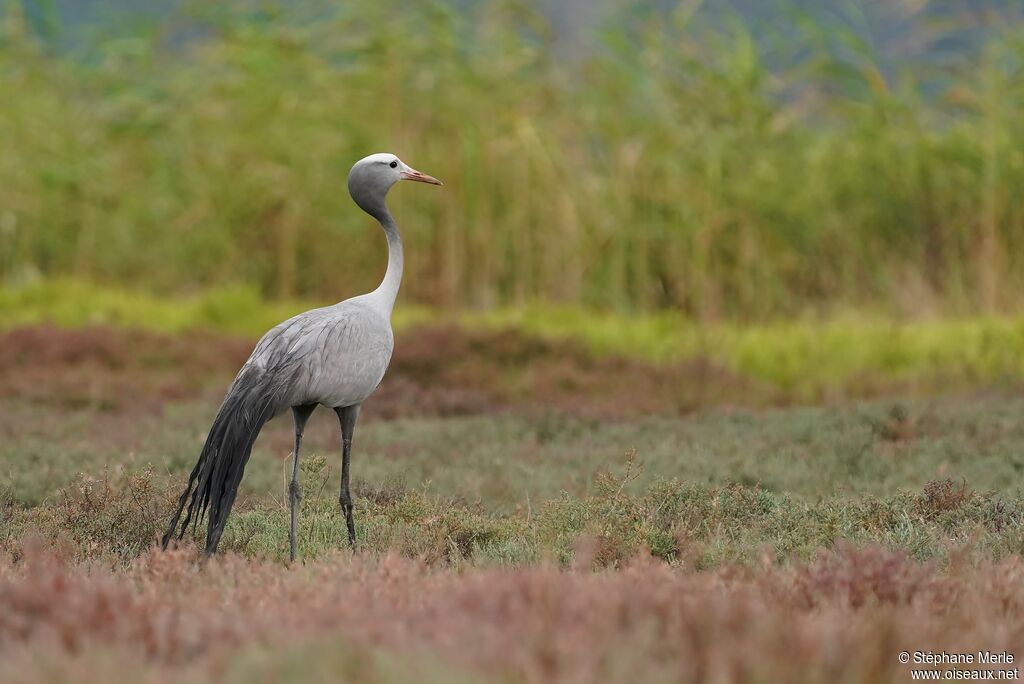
(920, 477)
(503, 536)
(708, 355)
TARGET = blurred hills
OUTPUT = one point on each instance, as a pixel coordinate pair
(894, 32)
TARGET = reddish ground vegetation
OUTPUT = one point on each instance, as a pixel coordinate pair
(113, 368)
(844, 617)
(456, 370)
(442, 370)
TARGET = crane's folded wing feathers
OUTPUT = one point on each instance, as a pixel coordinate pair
(335, 355)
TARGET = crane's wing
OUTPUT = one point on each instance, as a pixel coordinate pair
(288, 340)
(335, 355)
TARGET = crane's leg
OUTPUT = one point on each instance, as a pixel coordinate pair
(301, 415)
(347, 417)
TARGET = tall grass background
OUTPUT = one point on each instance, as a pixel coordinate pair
(682, 165)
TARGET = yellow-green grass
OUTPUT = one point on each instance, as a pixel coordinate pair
(803, 359)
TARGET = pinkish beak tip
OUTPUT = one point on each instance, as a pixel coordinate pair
(414, 175)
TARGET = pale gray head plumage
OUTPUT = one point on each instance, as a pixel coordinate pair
(371, 177)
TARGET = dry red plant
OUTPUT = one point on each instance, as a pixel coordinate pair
(843, 617)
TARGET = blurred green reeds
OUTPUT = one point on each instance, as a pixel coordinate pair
(673, 168)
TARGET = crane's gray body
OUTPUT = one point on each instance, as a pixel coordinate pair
(334, 356)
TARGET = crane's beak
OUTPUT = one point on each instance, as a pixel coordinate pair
(414, 175)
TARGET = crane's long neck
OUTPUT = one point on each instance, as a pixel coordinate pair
(387, 291)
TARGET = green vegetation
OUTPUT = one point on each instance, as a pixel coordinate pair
(675, 521)
(71, 303)
(670, 170)
(924, 477)
(800, 360)
(635, 254)
(505, 463)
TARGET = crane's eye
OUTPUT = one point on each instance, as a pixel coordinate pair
(393, 164)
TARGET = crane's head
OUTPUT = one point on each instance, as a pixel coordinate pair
(371, 178)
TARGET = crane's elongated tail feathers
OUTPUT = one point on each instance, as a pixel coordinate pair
(214, 481)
